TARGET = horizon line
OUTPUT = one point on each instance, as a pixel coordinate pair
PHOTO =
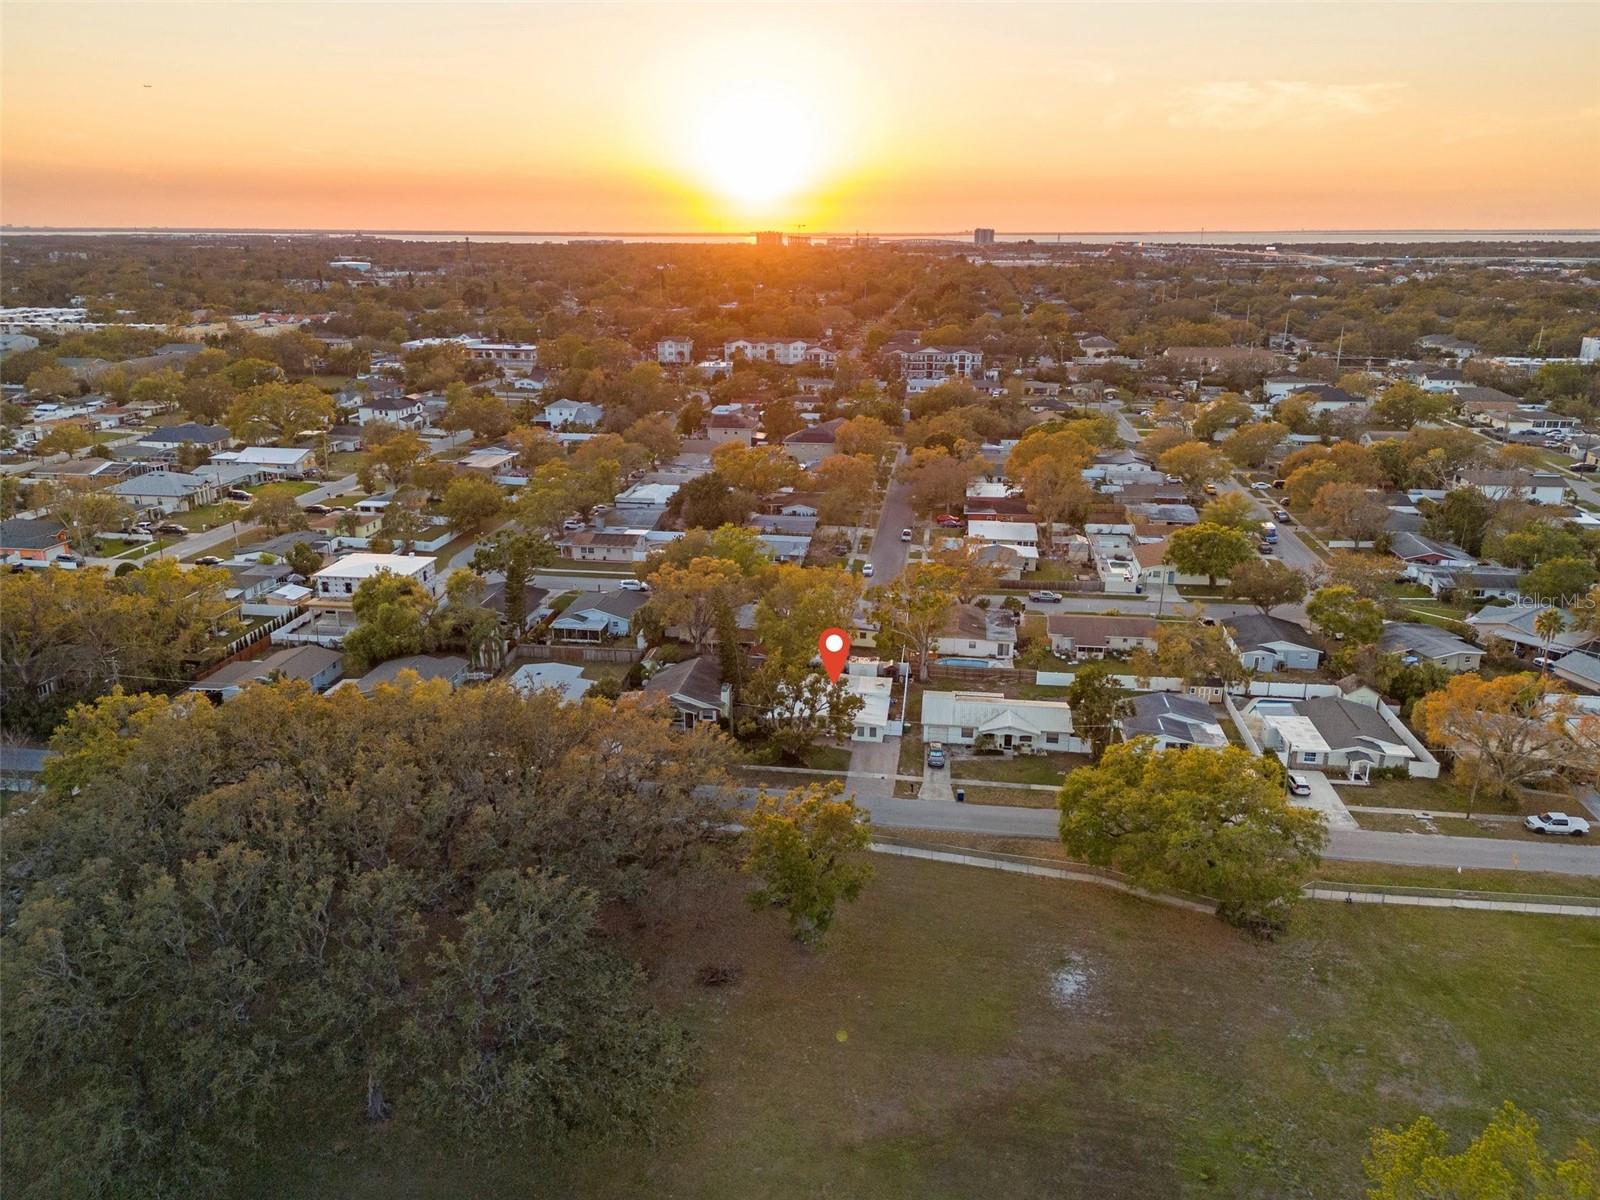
(352, 231)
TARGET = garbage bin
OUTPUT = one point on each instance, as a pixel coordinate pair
(961, 795)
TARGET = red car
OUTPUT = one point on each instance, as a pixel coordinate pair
(947, 521)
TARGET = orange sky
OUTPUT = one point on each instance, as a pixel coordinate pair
(888, 117)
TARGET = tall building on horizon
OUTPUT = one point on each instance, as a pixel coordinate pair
(983, 237)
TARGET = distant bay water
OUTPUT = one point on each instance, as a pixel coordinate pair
(1272, 237)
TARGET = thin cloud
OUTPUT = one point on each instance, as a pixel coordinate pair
(1242, 105)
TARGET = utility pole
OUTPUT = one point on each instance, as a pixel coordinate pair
(1338, 357)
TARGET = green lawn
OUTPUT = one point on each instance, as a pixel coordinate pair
(828, 758)
(969, 1033)
(1435, 795)
(1026, 768)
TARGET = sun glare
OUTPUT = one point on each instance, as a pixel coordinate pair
(755, 143)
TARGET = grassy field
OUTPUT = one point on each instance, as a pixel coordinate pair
(1454, 826)
(1027, 768)
(1042, 1039)
(1438, 795)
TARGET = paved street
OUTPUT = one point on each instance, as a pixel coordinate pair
(1290, 551)
(1408, 849)
(888, 553)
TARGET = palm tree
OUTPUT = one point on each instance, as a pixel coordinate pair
(1549, 624)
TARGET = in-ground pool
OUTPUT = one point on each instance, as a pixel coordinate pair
(966, 662)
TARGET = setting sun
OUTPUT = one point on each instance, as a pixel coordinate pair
(755, 143)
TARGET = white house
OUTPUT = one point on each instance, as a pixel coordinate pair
(675, 351)
(990, 719)
(1020, 536)
(1330, 731)
(971, 632)
(282, 461)
(566, 678)
(559, 414)
(872, 722)
(405, 411)
(337, 582)
(1539, 487)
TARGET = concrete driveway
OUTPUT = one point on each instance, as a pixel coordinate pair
(1325, 799)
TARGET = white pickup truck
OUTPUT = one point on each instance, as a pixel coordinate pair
(1556, 823)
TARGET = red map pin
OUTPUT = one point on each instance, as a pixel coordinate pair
(835, 647)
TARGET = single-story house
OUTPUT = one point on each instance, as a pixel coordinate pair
(1271, 643)
(1415, 548)
(606, 545)
(991, 719)
(695, 690)
(1173, 721)
(450, 667)
(1086, 635)
(971, 632)
(1482, 581)
(165, 491)
(1330, 731)
(1579, 668)
(281, 461)
(562, 414)
(1514, 624)
(873, 720)
(316, 665)
(596, 616)
(29, 541)
(1537, 487)
(189, 433)
(1428, 643)
(566, 678)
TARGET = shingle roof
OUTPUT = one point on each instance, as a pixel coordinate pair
(700, 679)
(1088, 629)
(1426, 641)
(1251, 630)
(1343, 723)
(17, 533)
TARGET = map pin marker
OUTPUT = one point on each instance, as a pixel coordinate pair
(835, 647)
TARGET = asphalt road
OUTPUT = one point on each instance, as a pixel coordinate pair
(888, 553)
(1290, 550)
(1405, 849)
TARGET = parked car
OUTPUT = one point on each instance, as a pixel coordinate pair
(1210, 489)
(635, 585)
(905, 535)
(1299, 785)
(1265, 547)
(947, 521)
(1586, 468)
(1283, 516)
(240, 494)
(572, 523)
(936, 754)
(318, 510)
(1556, 823)
(208, 560)
(172, 527)
(1045, 597)
(866, 570)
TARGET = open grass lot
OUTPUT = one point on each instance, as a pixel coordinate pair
(1042, 1038)
(1025, 768)
(1454, 826)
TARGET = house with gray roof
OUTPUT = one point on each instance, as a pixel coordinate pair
(1513, 623)
(1173, 721)
(597, 616)
(1579, 668)
(1330, 731)
(1413, 640)
(165, 491)
(189, 433)
(315, 665)
(1272, 644)
(695, 690)
(450, 667)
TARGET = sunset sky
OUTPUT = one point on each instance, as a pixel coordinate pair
(875, 117)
